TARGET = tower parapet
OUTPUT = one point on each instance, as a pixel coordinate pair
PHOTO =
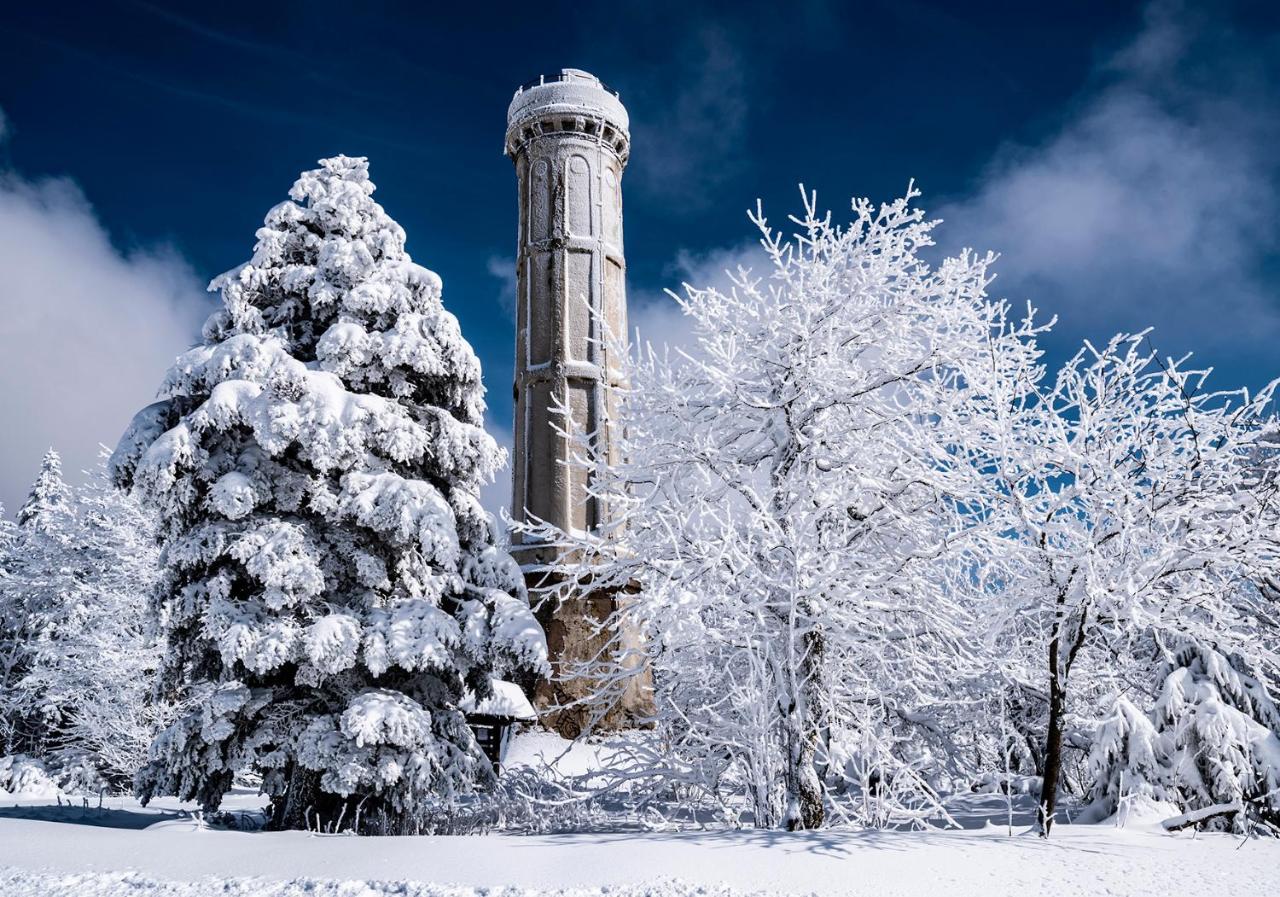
(568, 138)
(573, 100)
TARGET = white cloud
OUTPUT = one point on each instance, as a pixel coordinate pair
(657, 319)
(86, 332)
(1154, 204)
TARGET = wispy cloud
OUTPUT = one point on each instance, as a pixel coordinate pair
(87, 331)
(503, 267)
(1156, 202)
(275, 54)
(294, 109)
(688, 124)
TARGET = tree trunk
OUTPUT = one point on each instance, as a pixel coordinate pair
(804, 791)
(1197, 817)
(809, 788)
(295, 809)
(1053, 744)
(805, 808)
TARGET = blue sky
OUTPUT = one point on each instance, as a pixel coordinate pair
(1119, 155)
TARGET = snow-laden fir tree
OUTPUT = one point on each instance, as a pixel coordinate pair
(42, 578)
(330, 573)
(1210, 745)
(1127, 761)
(1223, 731)
(791, 502)
(8, 538)
(49, 496)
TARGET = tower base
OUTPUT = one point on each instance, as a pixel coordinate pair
(599, 679)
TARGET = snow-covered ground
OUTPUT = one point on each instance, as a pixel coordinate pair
(124, 850)
(52, 847)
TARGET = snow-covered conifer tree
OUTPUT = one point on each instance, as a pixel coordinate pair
(43, 578)
(330, 574)
(49, 496)
(8, 535)
(1211, 744)
(1223, 735)
(1127, 760)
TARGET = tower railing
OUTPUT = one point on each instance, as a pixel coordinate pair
(558, 79)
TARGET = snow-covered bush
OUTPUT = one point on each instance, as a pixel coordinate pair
(791, 503)
(23, 776)
(1006, 783)
(330, 573)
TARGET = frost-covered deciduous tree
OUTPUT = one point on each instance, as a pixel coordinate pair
(330, 573)
(791, 505)
(10, 621)
(1265, 597)
(1126, 510)
(12, 632)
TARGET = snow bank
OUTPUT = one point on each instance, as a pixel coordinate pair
(541, 750)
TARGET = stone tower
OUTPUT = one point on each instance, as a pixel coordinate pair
(567, 135)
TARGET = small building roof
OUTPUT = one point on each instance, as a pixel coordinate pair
(507, 701)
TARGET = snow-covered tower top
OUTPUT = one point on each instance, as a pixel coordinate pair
(573, 100)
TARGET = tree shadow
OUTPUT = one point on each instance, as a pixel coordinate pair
(973, 811)
(102, 817)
